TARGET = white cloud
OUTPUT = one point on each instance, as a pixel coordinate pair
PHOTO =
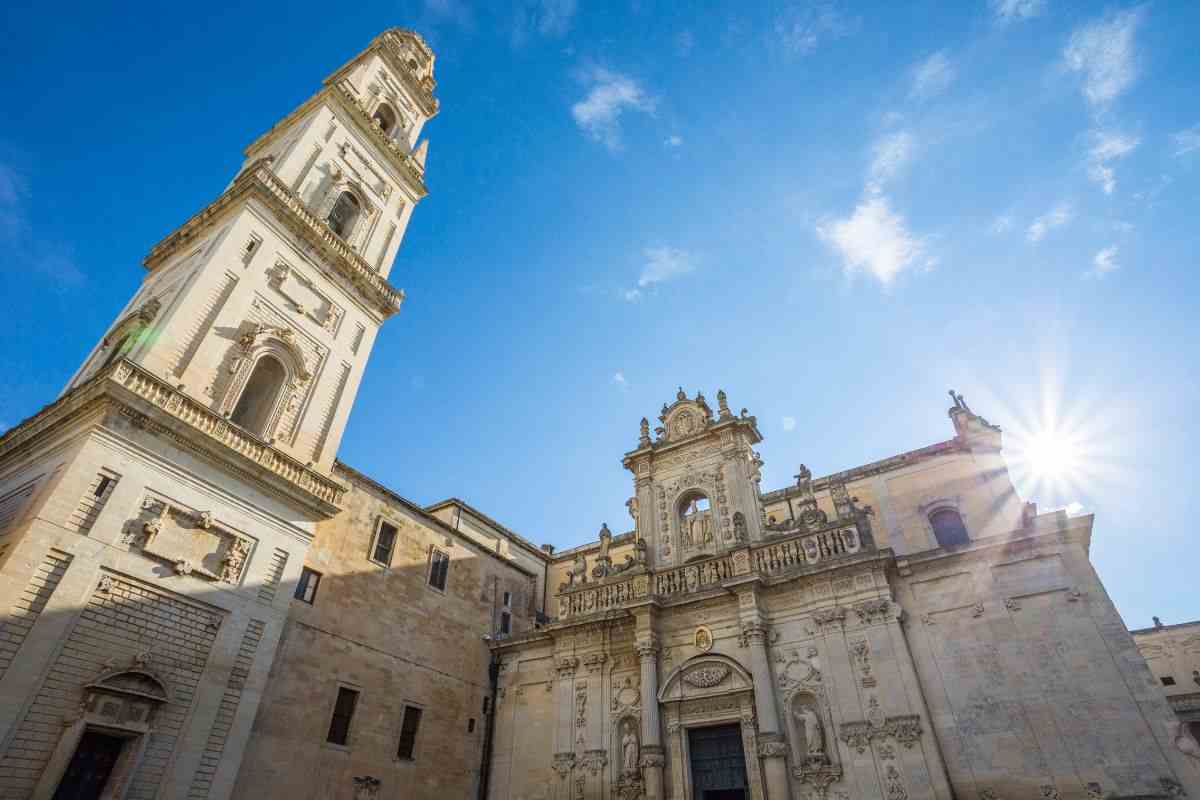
(618, 378)
(1103, 51)
(789, 423)
(663, 264)
(1001, 224)
(611, 95)
(674, 140)
(1056, 217)
(1014, 10)
(802, 26)
(21, 242)
(932, 76)
(549, 18)
(1187, 140)
(889, 155)
(873, 238)
(633, 295)
(1105, 262)
(1108, 146)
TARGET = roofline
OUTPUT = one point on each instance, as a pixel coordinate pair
(357, 476)
(517, 538)
(1155, 629)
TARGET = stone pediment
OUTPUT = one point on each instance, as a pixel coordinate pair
(685, 418)
(704, 676)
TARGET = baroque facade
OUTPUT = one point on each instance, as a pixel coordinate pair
(200, 601)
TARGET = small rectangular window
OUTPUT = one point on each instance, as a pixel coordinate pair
(1168, 681)
(92, 502)
(306, 587)
(385, 542)
(408, 733)
(507, 599)
(487, 704)
(343, 712)
(505, 623)
(471, 725)
(439, 567)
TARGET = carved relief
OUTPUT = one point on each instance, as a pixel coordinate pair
(303, 296)
(563, 764)
(706, 677)
(193, 543)
(580, 705)
(703, 639)
(872, 611)
(895, 785)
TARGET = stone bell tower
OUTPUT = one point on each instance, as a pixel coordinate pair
(696, 482)
(159, 511)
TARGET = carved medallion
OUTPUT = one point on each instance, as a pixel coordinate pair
(706, 677)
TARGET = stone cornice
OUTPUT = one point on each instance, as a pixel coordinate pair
(397, 155)
(711, 430)
(153, 404)
(387, 46)
(259, 181)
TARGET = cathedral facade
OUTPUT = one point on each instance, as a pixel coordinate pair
(200, 601)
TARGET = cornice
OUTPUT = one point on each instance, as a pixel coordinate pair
(397, 155)
(386, 46)
(154, 405)
(711, 430)
(259, 181)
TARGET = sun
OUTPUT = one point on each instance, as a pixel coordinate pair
(1051, 456)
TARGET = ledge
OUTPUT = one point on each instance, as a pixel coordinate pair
(151, 403)
(260, 181)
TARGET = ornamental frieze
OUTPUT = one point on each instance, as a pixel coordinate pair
(706, 677)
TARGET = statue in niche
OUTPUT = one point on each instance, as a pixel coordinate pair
(629, 750)
(810, 724)
(739, 527)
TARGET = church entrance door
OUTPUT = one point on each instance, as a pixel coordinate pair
(718, 763)
(90, 767)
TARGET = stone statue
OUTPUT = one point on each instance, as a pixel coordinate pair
(814, 738)
(577, 572)
(632, 505)
(706, 527)
(603, 559)
(629, 751)
(694, 529)
(723, 404)
(644, 433)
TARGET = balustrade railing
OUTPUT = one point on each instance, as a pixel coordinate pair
(767, 558)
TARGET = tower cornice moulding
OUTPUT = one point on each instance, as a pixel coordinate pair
(259, 181)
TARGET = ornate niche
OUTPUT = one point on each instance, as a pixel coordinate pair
(626, 758)
(255, 342)
(193, 543)
(121, 703)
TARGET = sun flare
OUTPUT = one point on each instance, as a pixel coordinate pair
(1051, 456)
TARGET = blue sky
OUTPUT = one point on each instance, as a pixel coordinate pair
(834, 211)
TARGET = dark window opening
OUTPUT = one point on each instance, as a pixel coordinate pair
(439, 567)
(343, 712)
(487, 704)
(254, 407)
(306, 587)
(948, 528)
(385, 117)
(505, 623)
(408, 733)
(344, 214)
(1167, 680)
(507, 599)
(385, 542)
(102, 486)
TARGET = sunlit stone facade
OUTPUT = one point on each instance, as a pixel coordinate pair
(200, 601)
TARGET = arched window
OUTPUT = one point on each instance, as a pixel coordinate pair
(344, 214)
(948, 527)
(386, 117)
(254, 407)
(696, 524)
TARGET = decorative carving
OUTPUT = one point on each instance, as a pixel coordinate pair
(1048, 791)
(576, 573)
(857, 734)
(977, 610)
(106, 584)
(860, 652)
(594, 661)
(566, 666)
(563, 764)
(1094, 791)
(653, 759)
(703, 639)
(906, 728)
(872, 611)
(366, 787)
(629, 750)
(1171, 788)
(895, 785)
(770, 748)
(234, 560)
(706, 677)
(580, 706)
(819, 774)
(809, 723)
(829, 619)
(603, 559)
(988, 794)
(593, 761)
(1012, 604)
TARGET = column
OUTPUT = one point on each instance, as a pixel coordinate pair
(652, 759)
(772, 747)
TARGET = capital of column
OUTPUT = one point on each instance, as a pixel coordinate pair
(754, 634)
(647, 649)
(771, 745)
(566, 666)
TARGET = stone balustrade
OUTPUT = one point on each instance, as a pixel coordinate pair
(772, 557)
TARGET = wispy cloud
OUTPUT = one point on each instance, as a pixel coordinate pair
(1186, 141)
(1016, 10)
(1104, 262)
(1107, 147)
(873, 239)
(1001, 224)
(619, 381)
(1056, 217)
(674, 140)
(549, 18)
(802, 26)
(1103, 51)
(449, 12)
(610, 95)
(24, 245)
(889, 155)
(789, 423)
(932, 76)
(661, 264)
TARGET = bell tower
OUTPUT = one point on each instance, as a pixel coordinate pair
(696, 482)
(264, 306)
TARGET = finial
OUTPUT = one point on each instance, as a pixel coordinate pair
(723, 404)
(680, 395)
(803, 475)
(959, 402)
(1157, 622)
(644, 433)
